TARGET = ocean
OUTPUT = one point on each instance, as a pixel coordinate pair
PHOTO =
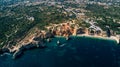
(78, 51)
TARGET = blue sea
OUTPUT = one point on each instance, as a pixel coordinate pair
(79, 51)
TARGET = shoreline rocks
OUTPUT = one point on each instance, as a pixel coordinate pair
(119, 42)
(24, 48)
(18, 51)
(4, 50)
(38, 42)
(17, 54)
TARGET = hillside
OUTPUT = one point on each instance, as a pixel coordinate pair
(21, 19)
(16, 21)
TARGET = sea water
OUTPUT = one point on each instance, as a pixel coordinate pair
(78, 51)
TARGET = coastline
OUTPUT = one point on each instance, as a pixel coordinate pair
(114, 38)
(84, 47)
(100, 37)
(18, 50)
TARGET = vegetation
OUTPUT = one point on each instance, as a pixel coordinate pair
(15, 21)
(105, 16)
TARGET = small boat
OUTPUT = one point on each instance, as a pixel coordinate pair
(62, 45)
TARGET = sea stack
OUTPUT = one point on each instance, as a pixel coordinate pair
(58, 42)
(67, 38)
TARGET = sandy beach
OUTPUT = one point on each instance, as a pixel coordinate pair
(101, 37)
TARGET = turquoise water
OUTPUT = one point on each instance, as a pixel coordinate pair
(77, 52)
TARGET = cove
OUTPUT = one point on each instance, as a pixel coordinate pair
(79, 51)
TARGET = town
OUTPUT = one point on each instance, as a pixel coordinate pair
(71, 28)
